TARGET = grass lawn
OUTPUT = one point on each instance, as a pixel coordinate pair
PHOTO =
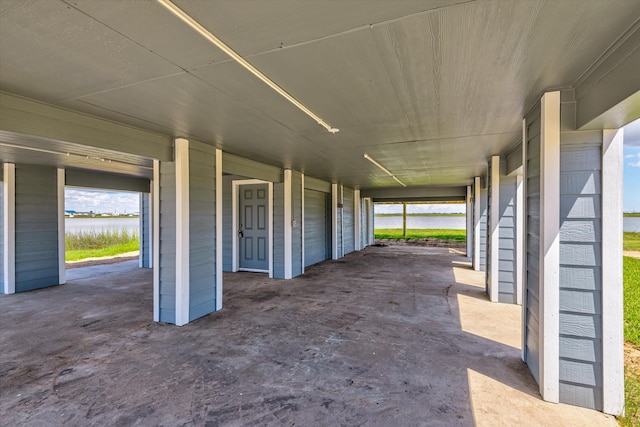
(417, 233)
(94, 244)
(631, 241)
(632, 336)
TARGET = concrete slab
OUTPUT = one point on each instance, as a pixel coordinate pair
(387, 336)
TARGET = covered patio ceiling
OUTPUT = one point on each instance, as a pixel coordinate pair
(428, 88)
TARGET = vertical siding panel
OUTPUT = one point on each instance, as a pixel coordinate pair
(167, 242)
(202, 234)
(296, 232)
(507, 253)
(532, 264)
(228, 228)
(145, 230)
(483, 229)
(36, 250)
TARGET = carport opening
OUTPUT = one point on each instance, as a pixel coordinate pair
(428, 222)
(101, 226)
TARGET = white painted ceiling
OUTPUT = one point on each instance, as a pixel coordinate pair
(430, 88)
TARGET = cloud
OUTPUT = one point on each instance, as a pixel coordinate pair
(629, 156)
(635, 164)
(84, 200)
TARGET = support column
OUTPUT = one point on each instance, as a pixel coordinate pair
(612, 282)
(9, 220)
(493, 224)
(469, 221)
(519, 237)
(186, 260)
(404, 220)
(155, 210)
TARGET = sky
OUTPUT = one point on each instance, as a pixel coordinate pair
(85, 200)
(632, 167)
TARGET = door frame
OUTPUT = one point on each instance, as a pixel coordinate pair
(235, 198)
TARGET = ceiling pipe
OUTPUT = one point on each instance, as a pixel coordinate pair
(387, 171)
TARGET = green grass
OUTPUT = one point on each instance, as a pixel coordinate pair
(632, 300)
(632, 214)
(92, 244)
(631, 274)
(417, 233)
(631, 241)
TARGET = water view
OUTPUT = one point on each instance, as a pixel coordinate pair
(458, 222)
(75, 225)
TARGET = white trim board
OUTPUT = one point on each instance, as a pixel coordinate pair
(469, 222)
(302, 222)
(9, 219)
(235, 193)
(219, 227)
(155, 227)
(288, 215)
(522, 274)
(476, 223)
(182, 231)
(62, 269)
(612, 284)
(494, 231)
(334, 221)
(356, 220)
(549, 315)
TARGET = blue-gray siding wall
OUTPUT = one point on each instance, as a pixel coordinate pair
(531, 261)
(507, 234)
(339, 216)
(348, 221)
(1, 230)
(167, 242)
(580, 269)
(145, 230)
(228, 228)
(297, 216)
(483, 229)
(36, 227)
(278, 231)
(202, 233)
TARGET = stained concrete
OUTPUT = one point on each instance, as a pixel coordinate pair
(399, 336)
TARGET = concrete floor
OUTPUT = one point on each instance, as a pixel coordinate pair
(389, 336)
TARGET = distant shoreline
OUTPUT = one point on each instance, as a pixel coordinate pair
(420, 214)
(632, 215)
(102, 217)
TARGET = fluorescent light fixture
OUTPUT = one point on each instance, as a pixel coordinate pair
(387, 171)
(184, 17)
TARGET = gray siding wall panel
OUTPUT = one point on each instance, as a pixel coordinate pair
(278, 231)
(506, 253)
(36, 227)
(348, 221)
(315, 228)
(483, 229)
(202, 234)
(228, 228)
(167, 242)
(580, 270)
(296, 232)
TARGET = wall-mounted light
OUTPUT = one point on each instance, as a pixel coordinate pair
(187, 19)
(387, 171)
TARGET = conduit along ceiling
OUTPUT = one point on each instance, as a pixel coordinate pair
(428, 88)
